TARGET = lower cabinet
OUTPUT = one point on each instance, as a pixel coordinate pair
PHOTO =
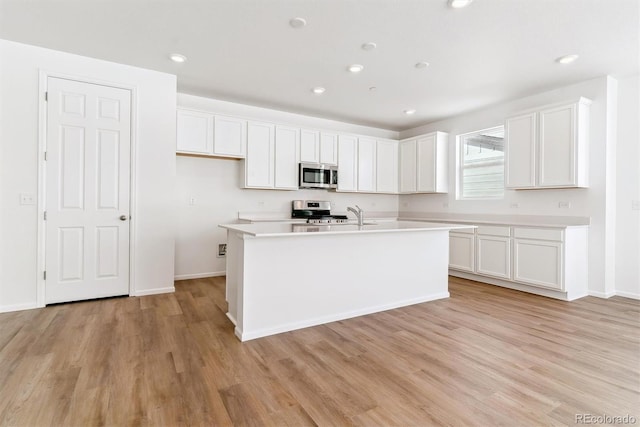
(538, 262)
(462, 250)
(493, 248)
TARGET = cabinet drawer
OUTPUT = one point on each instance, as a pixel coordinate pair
(492, 230)
(538, 233)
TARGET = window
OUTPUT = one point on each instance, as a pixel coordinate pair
(481, 164)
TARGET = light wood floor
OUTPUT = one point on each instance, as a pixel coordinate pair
(486, 356)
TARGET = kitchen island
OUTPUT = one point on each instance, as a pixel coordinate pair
(282, 277)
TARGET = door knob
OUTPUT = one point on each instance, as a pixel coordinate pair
(123, 217)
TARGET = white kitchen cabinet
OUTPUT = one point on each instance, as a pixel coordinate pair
(347, 163)
(538, 257)
(424, 165)
(408, 163)
(548, 148)
(199, 132)
(260, 160)
(287, 141)
(328, 148)
(386, 166)
(194, 132)
(462, 250)
(366, 165)
(229, 136)
(309, 146)
(493, 248)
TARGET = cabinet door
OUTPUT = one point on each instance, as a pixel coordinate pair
(426, 168)
(194, 133)
(408, 166)
(260, 155)
(461, 251)
(366, 165)
(538, 263)
(230, 136)
(347, 163)
(309, 146)
(557, 147)
(494, 256)
(286, 157)
(387, 167)
(329, 148)
(520, 151)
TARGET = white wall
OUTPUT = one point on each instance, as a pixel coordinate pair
(216, 186)
(589, 202)
(628, 188)
(154, 136)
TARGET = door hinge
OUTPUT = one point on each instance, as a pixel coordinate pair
(46, 96)
(45, 275)
(45, 215)
(45, 156)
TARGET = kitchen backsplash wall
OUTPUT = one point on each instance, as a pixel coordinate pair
(214, 185)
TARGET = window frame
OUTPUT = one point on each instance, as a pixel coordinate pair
(460, 163)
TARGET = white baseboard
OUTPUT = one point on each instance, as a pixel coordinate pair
(601, 294)
(627, 294)
(199, 275)
(18, 307)
(154, 291)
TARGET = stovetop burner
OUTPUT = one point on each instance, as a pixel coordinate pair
(327, 219)
(316, 212)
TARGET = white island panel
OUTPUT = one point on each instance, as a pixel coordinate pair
(282, 282)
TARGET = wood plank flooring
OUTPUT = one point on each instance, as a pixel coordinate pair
(487, 356)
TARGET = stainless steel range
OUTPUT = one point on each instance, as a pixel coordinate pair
(316, 212)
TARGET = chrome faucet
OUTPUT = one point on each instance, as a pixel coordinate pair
(359, 213)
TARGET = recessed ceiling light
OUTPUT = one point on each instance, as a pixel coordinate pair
(318, 90)
(298, 22)
(176, 57)
(355, 68)
(410, 112)
(369, 46)
(459, 4)
(422, 64)
(373, 89)
(567, 59)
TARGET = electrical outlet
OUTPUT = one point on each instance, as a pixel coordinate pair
(261, 204)
(27, 199)
(564, 205)
(635, 205)
(222, 250)
(405, 204)
(445, 205)
(514, 205)
(192, 200)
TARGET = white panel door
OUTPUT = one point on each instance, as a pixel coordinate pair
(347, 163)
(557, 147)
(87, 191)
(494, 256)
(286, 157)
(366, 165)
(538, 263)
(329, 148)
(408, 164)
(520, 151)
(194, 132)
(387, 167)
(426, 169)
(230, 136)
(259, 168)
(309, 146)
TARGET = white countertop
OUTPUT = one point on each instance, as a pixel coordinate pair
(273, 229)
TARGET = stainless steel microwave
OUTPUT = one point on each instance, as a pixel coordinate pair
(317, 175)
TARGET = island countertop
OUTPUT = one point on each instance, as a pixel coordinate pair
(273, 229)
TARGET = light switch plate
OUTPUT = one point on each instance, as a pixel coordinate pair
(27, 199)
(564, 205)
(635, 205)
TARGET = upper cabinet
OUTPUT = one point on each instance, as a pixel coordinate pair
(386, 166)
(318, 147)
(272, 156)
(347, 163)
(423, 164)
(548, 148)
(206, 134)
(366, 165)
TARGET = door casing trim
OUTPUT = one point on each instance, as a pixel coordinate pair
(44, 76)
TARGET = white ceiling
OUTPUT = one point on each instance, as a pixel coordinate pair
(245, 51)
